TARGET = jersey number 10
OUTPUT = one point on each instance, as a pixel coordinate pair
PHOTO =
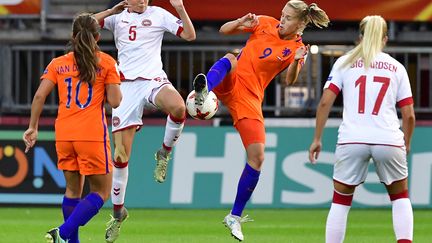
(361, 82)
(77, 88)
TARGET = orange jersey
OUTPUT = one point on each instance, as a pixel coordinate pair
(81, 111)
(264, 56)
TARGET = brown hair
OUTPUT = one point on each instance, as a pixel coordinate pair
(309, 14)
(85, 31)
(373, 30)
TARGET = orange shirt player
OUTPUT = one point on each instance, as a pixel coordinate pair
(239, 82)
(85, 78)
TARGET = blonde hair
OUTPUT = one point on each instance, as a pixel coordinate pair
(309, 14)
(373, 30)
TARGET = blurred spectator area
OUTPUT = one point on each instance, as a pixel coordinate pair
(33, 32)
(35, 20)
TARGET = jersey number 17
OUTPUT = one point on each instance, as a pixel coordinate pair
(361, 83)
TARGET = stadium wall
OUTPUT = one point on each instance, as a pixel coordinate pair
(205, 168)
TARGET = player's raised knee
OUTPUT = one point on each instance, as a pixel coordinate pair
(179, 112)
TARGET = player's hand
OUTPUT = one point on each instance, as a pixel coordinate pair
(249, 20)
(29, 138)
(301, 52)
(177, 3)
(119, 7)
(314, 150)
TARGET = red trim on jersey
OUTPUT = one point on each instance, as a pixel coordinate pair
(404, 241)
(406, 101)
(334, 88)
(177, 120)
(138, 127)
(394, 197)
(122, 77)
(179, 31)
(102, 23)
(372, 144)
(121, 164)
(352, 186)
(342, 199)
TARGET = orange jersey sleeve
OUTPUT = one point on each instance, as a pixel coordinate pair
(81, 112)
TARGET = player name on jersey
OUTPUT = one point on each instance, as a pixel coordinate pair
(376, 65)
(72, 68)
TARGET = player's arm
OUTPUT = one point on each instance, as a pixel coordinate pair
(188, 32)
(295, 67)
(118, 8)
(248, 21)
(322, 113)
(408, 124)
(114, 95)
(30, 135)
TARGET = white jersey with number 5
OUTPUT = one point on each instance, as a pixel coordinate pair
(138, 39)
(370, 97)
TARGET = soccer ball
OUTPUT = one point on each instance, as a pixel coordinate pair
(205, 112)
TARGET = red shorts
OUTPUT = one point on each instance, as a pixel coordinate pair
(251, 131)
(87, 157)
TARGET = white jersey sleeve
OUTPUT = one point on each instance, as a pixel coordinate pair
(171, 23)
(335, 81)
(404, 91)
(109, 22)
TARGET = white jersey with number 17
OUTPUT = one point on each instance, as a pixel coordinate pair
(370, 97)
(138, 38)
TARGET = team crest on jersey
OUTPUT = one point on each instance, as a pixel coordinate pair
(286, 52)
(116, 121)
(146, 22)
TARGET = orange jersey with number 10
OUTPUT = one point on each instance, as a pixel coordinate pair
(81, 111)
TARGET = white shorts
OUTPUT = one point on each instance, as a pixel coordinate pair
(352, 160)
(137, 95)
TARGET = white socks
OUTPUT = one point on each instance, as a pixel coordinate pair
(338, 215)
(336, 223)
(403, 219)
(120, 179)
(173, 129)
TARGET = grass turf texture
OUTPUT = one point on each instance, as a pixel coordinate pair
(188, 226)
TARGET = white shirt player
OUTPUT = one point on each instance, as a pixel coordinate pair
(370, 98)
(138, 38)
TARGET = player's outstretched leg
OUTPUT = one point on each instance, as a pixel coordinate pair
(201, 89)
(162, 156)
(53, 236)
(113, 226)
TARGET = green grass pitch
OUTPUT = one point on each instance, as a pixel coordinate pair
(22, 225)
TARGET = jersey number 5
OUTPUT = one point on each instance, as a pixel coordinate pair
(361, 82)
(77, 88)
(132, 33)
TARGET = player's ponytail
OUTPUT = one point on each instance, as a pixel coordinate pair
(309, 14)
(85, 32)
(373, 31)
